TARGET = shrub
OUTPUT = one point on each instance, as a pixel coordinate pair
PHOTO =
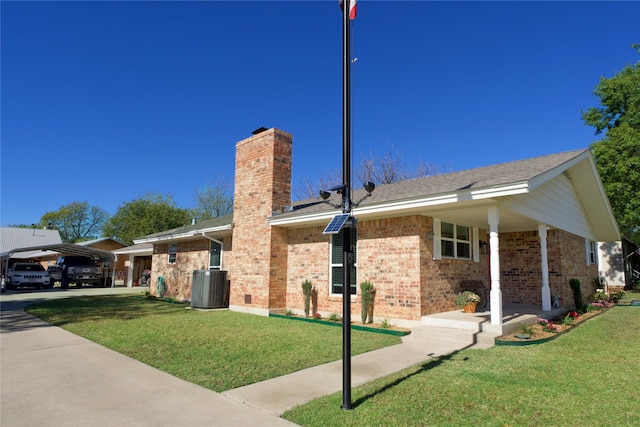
(617, 295)
(577, 293)
(600, 295)
(367, 292)
(306, 290)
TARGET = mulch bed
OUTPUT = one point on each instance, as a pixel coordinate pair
(539, 334)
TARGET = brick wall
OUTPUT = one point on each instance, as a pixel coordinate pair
(521, 274)
(396, 256)
(191, 255)
(442, 278)
(569, 262)
(520, 267)
(308, 253)
(389, 257)
(257, 268)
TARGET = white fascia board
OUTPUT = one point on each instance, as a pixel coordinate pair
(537, 181)
(501, 191)
(142, 251)
(411, 204)
(452, 198)
(303, 219)
(186, 235)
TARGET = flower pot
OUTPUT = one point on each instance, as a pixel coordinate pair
(470, 307)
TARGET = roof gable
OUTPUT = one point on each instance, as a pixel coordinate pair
(480, 186)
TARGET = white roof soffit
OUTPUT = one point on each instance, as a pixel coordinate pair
(66, 249)
(399, 207)
(187, 235)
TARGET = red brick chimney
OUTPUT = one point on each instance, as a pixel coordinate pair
(258, 265)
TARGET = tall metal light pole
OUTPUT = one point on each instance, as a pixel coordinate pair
(347, 256)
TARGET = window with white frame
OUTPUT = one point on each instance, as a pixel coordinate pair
(173, 252)
(455, 240)
(592, 252)
(337, 262)
(215, 255)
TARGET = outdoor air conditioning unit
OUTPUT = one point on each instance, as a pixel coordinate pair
(209, 289)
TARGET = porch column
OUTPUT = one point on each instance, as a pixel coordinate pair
(496, 293)
(546, 291)
(129, 283)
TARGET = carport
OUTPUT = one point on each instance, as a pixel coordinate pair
(98, 255)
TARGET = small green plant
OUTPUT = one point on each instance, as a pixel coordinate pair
(367, 292)
(314, 300)
(170, 300)
(334, 317)
(386, 324)
(600, 295)
(146, 293)
(547, 326)
(526, 330)
(466, 297)
(306, 290)
(288, 312)
(568, 320)
(617, 295)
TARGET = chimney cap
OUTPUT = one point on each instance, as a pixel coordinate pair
(259, 130)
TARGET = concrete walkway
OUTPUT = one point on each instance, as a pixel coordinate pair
(55, 378)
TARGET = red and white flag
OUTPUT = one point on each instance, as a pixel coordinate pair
(352, 8)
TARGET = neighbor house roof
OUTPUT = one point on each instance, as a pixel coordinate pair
(216, 227)
(102, 239)
(472, 188)
(14, 237)
(139, 250)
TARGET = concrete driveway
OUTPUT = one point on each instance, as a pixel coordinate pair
(50, 377)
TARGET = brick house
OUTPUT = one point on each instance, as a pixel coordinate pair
(523, 229)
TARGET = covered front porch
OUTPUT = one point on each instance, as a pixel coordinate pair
(513, 315)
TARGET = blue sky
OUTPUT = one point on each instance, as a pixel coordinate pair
(105, 102)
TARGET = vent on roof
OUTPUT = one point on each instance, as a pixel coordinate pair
(259, 130)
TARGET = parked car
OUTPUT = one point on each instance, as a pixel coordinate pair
(27, 274)
(76, 269)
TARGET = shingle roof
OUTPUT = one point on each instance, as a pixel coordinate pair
(15, 237)
(471, 179)
(203, 225)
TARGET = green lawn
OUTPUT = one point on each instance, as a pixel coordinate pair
(589, 376)
(219, 350)
(586, 377)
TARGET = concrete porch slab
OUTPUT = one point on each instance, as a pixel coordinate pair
(513, 315)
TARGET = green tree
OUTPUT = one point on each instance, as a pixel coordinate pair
(617, 154)
(76, 221)
(147, 215)
(213, 200)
